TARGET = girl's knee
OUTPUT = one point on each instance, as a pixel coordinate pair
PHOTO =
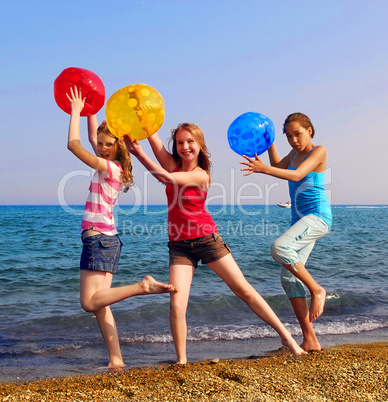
(276, 250)
(87, 306)
(178, 308)
(245, 292)
(283, 253)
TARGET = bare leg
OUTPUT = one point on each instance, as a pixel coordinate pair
(96, 295)
(317, 292)
(92, 301)
(181, 276)
(310, 341)
(227, 269)
(90, 283)
(107, 325)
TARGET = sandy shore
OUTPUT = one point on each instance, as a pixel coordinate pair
(343, 373)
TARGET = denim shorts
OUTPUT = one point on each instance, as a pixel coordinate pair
(101, 253)
(207, 249)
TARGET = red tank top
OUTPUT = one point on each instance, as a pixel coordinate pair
(187, 214)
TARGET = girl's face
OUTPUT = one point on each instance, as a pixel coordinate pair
(107, 147)
(298, 137)
(187, 148)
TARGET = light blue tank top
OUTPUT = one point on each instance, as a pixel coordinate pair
(308, 196)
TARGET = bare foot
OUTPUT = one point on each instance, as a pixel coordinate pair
(311, 346)
(151, 286)
(317, 305)
(291, 344)
(116, 369)
(116, 365)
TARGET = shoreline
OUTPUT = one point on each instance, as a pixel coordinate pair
(161, 354)
(341, 372)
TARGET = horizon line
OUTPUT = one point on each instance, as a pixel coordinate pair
(163, 205)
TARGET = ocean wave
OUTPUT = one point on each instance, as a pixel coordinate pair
(243, 332)
(212, 333)
(350, 326)
(202, 309)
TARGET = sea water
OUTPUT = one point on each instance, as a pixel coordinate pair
(42, 326)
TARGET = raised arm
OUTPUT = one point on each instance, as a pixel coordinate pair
(275, 159)
(164, 157)
(74, 139)
(196, 177)
(315, 161)
(92, 132)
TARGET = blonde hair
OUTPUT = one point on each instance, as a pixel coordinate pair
(197, 133)
(122, 156)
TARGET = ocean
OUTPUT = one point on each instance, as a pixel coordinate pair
(45, 333)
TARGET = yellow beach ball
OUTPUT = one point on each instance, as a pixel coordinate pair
(136, 110)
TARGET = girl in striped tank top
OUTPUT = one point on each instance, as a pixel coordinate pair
(101, 244)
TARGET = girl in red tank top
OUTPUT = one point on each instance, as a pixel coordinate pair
(192, 232)
(187, 214)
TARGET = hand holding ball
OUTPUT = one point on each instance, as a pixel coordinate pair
(251, 133)
(90, 84)
(136, 110)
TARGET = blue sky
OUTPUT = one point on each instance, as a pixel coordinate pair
(211, 61)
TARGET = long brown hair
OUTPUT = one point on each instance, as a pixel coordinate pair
(122, 156)
(197, 133)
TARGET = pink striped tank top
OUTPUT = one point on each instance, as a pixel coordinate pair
(103, 192)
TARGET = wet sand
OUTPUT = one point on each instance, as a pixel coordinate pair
(356, 372)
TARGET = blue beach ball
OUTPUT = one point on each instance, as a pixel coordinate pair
(251, 133)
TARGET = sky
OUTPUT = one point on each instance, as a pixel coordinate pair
(211, 60)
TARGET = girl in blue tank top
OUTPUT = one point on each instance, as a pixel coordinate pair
(304, 168)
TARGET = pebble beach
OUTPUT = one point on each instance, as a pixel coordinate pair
(340, 373)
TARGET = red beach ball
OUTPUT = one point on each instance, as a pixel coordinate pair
(90, 83)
